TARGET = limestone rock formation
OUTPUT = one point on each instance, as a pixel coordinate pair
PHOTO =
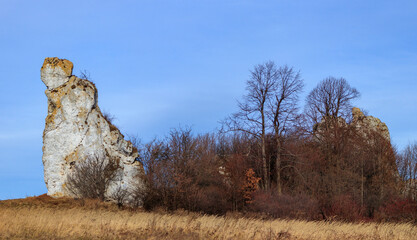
(363, 122)
(76, 129)
(365, 125)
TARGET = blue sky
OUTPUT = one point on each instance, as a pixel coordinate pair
(162, 64)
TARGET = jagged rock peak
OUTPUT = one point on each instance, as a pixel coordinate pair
(75, 129)
(357, 113)
(368, 123)
(55, 72)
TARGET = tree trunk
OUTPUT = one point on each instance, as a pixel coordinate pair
(278, 166)
(264, 165)
(362, 184)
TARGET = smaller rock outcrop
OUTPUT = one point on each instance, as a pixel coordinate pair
(55, 72)
(365, 125)
(369, 123)
(75, 129)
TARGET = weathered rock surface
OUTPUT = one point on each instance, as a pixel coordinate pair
(366, 125)
(76, 129)
(369, 123)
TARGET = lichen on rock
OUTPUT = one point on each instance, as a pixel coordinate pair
(55, 72)
(76, 129)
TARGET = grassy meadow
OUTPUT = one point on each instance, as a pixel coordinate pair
(46, 218)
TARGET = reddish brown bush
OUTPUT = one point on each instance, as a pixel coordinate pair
(398, 210)
(212, 200)
(344, 207)
(250, 186)
(285, 206)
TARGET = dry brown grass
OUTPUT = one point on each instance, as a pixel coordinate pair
(46, 218)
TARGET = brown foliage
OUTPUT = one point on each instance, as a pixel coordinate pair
(285, 206)
(398, 210)
(317, 159)
(183, 172)
(250, 185)
(344, 207)
(345, 176)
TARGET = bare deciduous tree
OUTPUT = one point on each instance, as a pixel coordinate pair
(328, 106)
(252, 115)
(331, 98)
(268, 107)
(283, 109)
(407, 166)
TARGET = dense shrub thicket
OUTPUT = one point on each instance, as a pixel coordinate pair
(270, 158)
(220, 173)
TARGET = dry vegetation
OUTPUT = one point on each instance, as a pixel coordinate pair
(46, 218)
